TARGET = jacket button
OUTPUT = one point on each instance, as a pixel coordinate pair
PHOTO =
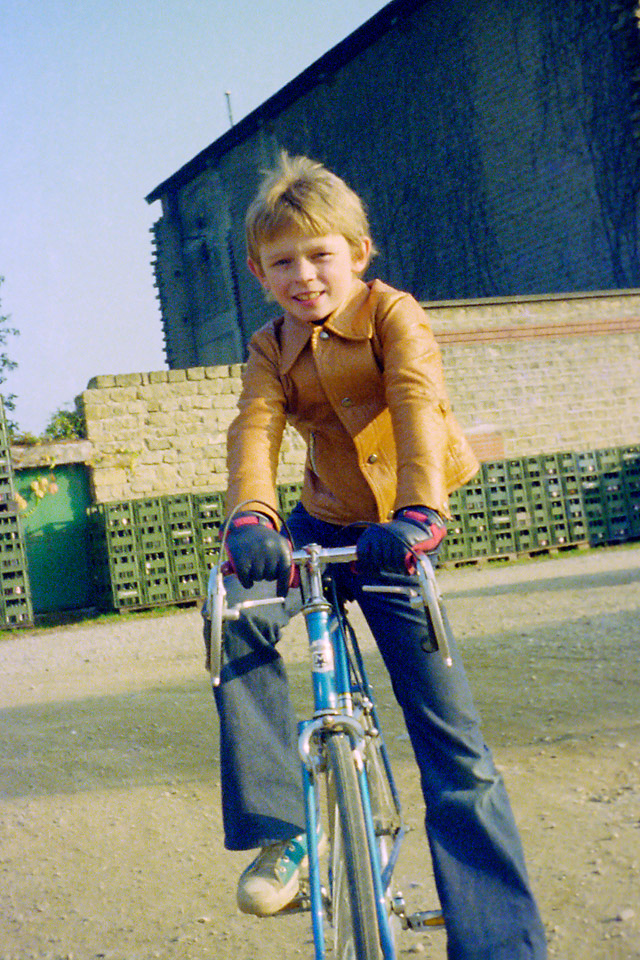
(372, 458)
(347, 401)
(323, 335)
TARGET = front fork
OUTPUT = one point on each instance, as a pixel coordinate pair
(315, 884)
(311, 768)
(334, 711)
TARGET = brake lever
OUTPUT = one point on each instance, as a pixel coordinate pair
(429, 597)
(216, 597)
(433, 601)
(219, 612)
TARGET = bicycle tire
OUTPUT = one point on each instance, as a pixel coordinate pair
(386, 821)
(354, 912)
(385, 813)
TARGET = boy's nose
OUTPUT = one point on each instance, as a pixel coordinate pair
(304, 269)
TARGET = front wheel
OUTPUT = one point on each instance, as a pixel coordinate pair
(354, 905)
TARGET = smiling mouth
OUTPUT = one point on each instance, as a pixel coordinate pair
(308, 297)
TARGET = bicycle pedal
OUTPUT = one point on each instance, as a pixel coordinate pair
(424, 920)
(301, 903)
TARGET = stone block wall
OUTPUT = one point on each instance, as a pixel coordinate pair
(527, 376)
(164, 432)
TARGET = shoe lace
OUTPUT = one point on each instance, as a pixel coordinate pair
(270, 860)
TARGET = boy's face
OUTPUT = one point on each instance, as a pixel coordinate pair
(310, 277)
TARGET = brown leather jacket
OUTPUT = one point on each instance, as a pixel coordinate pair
(366, 391)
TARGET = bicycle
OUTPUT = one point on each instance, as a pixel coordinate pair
(345, 763)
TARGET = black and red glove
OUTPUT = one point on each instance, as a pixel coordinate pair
(257, 551)
(392, 546)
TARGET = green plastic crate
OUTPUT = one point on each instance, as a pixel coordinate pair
(566, 463)
(503, 541)
(587, 463)
(16, 612)
(151, 538)
(190, 586)
(158, 590)
(117, 515)
(128, 595)
(516, 469)
(178, 508)
(288, 497)
(209, 507)
(148, 511)
(559, 533)
(609, 459)
(155, 564)
(185, 560)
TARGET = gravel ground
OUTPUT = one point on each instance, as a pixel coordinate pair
(110, 834)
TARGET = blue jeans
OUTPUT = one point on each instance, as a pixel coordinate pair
(479, 867)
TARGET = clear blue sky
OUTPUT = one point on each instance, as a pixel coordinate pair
(101, 100)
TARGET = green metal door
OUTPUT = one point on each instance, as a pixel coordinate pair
(57, 537)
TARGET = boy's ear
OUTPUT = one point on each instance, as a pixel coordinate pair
(360, 257)
(258, 272)
(255, 269)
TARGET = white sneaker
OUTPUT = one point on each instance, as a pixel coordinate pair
(272, 880)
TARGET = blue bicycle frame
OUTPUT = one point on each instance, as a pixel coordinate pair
(338, 674)
(332, 679)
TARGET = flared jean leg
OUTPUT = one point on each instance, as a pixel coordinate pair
(478, 860)
(260, 767)
(260, 774)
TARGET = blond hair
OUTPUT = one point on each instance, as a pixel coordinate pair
(300, 193)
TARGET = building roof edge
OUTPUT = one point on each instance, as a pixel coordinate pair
(310, 77)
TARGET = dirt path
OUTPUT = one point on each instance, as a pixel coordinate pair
(110, 836)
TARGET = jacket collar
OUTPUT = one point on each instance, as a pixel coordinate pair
(352, 322)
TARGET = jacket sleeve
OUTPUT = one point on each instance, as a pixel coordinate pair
(418, 402)
(255, 436)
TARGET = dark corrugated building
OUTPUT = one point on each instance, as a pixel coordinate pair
(495, 144)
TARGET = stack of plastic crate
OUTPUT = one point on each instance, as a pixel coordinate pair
(154, 551)
(631, 487)
(612, 494)
(159, 550)
(607, 487)
(154, 554)
(118, 574)
(560, 494)
(572, 499)
(501, 480)
(15, 595)
(587, 467)
(288, 497)
(532, 520)
(468, 533)
(518, 505)
(208, 511)
(185, 558)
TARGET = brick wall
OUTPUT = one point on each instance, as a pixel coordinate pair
(527, 376)
(548, 374)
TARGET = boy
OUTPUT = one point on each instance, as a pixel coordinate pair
(355, 368)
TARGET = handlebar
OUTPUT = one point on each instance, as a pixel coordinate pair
(323, 556)
(314, 559)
